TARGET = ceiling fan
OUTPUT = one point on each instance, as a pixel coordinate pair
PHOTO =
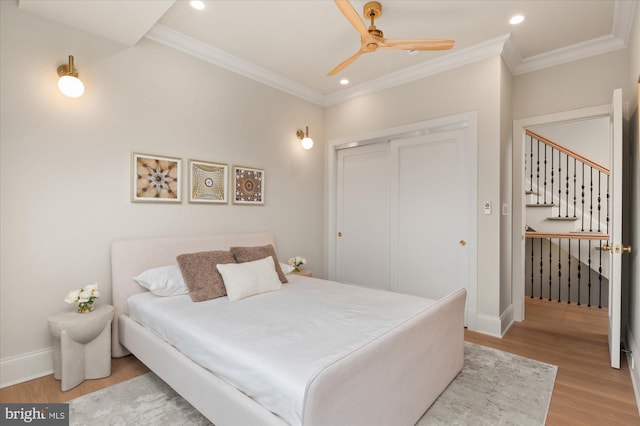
(373, 39)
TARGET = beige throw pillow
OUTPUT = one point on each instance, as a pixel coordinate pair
(201, 275)
(249, 254)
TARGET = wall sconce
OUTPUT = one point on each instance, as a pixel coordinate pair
(305, 140)
(69, 83)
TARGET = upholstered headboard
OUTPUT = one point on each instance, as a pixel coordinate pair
(131, 257)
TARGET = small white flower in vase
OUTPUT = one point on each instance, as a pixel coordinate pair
(84, 297)
(297, 262)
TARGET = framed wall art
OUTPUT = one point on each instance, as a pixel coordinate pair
(208, 182)
(155, 178)
(248, 185)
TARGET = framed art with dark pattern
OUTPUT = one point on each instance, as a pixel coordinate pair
(155, 178)
(208, 182)
(248, 185)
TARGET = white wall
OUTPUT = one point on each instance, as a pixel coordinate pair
(506, 189)
(579, 84)
(589, 137)
(65, 165)
(475, 87)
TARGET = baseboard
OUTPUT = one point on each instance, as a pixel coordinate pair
(29, 366)
(506, 319)
(633, 358)
(489, 324)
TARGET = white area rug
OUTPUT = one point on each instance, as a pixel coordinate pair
(493, 388)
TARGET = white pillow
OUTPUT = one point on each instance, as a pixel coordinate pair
(163, 281)
(286, 268)
(249, 278)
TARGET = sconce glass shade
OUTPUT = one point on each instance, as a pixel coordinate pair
(307, 143)
(69, 83)
(305, 140)
(70, 86)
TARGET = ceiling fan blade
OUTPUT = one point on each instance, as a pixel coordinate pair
(345, 63)
(352, 16)
(424, 44)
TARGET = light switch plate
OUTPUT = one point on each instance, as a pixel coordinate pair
(487, 207)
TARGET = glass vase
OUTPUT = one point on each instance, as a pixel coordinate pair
(85, 307)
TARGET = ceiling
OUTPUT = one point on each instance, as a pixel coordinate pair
(292, 45)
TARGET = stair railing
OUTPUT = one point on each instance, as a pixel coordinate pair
(575, 186)
(561, 175)
(567, 267)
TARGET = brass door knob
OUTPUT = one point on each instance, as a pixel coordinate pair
(339, 234)
(626, 249)
(462, 243)
(606, 247)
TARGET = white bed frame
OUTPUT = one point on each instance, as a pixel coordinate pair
(392, 380)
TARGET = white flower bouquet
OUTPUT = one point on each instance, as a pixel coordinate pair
(85, 297)
(297, 262)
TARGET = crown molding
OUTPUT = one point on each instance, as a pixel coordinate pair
(504, 46)
(594, 47)
(179, 41)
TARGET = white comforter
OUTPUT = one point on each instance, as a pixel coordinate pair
(271, 346)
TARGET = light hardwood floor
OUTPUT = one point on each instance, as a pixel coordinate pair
(587, 391)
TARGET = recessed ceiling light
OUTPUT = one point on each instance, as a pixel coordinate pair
(197, 4)
(412, 52)
(516, 19)
(344, 81)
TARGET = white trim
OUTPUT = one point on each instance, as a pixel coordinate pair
(506, 319)
(495, 326)
(586, 49)
(24, 367)
(503, 45)
(518, 195)
(489, 324)
(467, 121)
(632, 360)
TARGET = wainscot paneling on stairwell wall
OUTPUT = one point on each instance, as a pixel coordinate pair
(65, 166)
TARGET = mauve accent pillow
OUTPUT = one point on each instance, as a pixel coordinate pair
(201, 275)
(249, 254)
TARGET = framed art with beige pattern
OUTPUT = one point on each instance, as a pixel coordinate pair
(155, 178)
(208, 182)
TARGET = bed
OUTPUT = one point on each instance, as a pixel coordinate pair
(392, 378)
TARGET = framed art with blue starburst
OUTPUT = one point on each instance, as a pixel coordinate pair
(155, 178)
(248, 186)
(208, 182)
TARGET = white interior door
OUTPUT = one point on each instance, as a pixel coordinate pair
(362, 246)
(429, 209)
(615, 233)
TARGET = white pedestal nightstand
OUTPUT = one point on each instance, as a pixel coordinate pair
(303, 272)
(81, 345)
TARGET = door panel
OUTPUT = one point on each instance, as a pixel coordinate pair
(431, 215)
(615, 233)
(363, 216)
